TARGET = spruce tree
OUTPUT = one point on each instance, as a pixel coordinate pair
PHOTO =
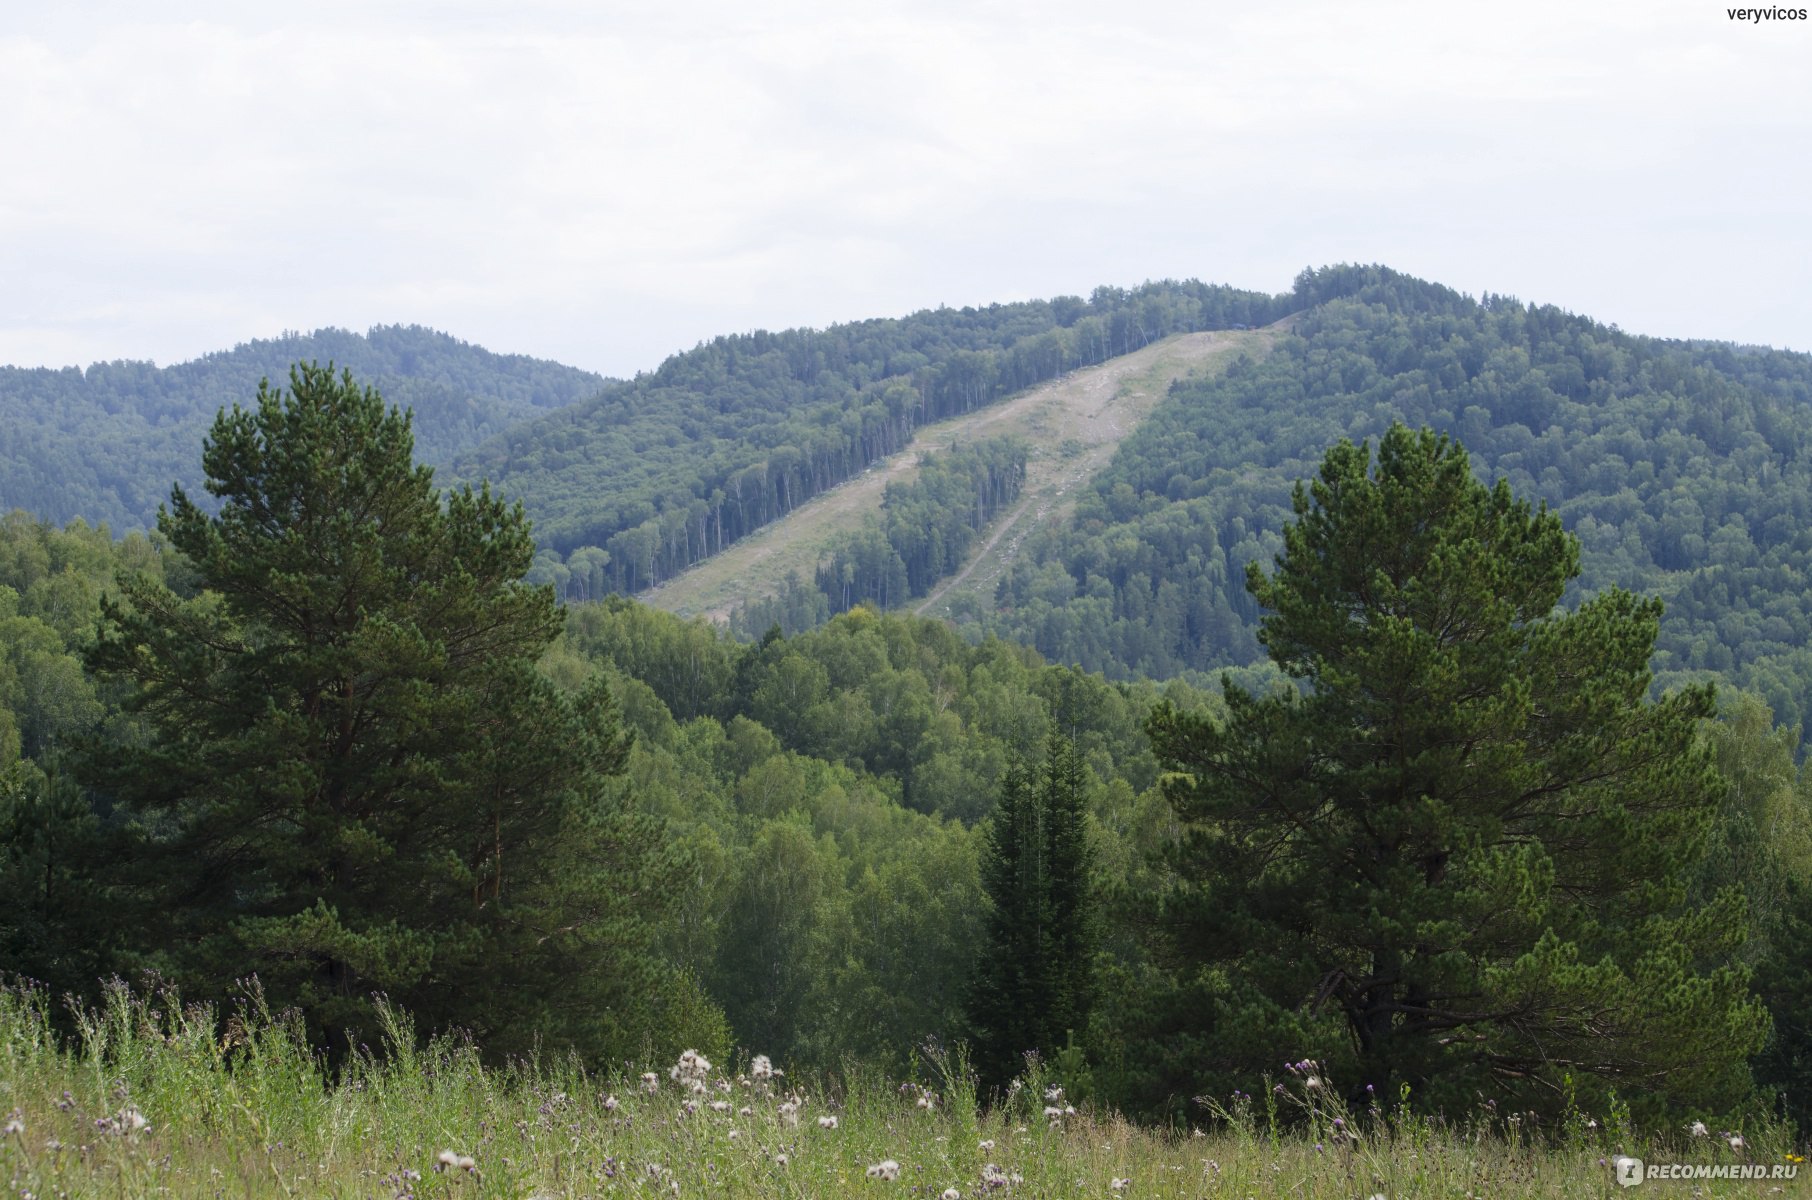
(353, 779)
(1031, 987)
(1457, 856)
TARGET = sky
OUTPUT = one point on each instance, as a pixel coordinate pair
(606, 183)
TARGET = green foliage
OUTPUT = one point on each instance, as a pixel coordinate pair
(664, 470)
(926, 526)
(106, 442)
(1470, 835)
(1033, 981)
(353, 779)
(1683, 468)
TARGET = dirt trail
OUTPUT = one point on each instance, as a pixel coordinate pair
(1071, 424)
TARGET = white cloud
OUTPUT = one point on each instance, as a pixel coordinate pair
(606, 184)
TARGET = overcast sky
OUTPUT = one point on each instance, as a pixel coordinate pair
(605, 183)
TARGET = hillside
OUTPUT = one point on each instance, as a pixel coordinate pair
(1071, 426)
(657, 474)
(1684, 467)
(106, 443)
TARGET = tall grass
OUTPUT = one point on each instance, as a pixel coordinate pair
(153, 1097)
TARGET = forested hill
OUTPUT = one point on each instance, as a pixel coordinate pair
(653, 475)
(1684, 467)
(105, 443)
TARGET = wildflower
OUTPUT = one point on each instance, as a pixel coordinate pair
(951, 1194)
(691, 1072)
(789, 1112)
(780, 1159)
(132, 1121)
(1052, 1113)
(610, 1104)
(445, 1159)
(928, 1102)
(734, 1135)
(1053, 1093)
(827, 1122)
(992, 1176)
(1312, 1083)
(14, 1124)
(761, 1069)
(745, 1111)
(651, 1083)
(720, 1106)
(886, 1170)
(1120, 1185)
(466, 1164)
(1697, 1129)
(987, 1144)
(1736, 1141)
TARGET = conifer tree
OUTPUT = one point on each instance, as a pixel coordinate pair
(1031, 988)
(353, 779)
(1459, 854)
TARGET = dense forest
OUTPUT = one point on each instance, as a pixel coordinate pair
(661, 471)
(105, 443)
(334, 729)
(1685, 469)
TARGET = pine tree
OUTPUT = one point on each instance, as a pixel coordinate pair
(1031, 989)
(354, 780)
(1458, 856)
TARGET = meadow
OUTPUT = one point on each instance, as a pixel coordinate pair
(149, 1097)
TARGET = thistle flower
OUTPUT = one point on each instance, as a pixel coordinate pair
(444, 1160)
(1736, 1141)
(761, 1069)
(780, 1159)
(610, 1104)
(789, 1112)
(827, 1122)
(745, 1111)
(651, 1083)
(466, 1164)
(691, 1072)
(14, 1124)
(720, 1106)
(886, 1170)
(1698, 1130)
(1052, 1113)
(987, 1144)
(928, 1102)
(1120, 1185)
(950, 1194)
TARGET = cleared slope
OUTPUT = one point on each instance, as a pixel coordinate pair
(1071, 424)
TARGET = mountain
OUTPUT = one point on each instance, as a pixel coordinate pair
(1684, 467)
(657, 473)
(106, 443)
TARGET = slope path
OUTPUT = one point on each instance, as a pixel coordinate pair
(1071, 426)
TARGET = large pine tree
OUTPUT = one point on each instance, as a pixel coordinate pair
(1457, 857)
(354, 780)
